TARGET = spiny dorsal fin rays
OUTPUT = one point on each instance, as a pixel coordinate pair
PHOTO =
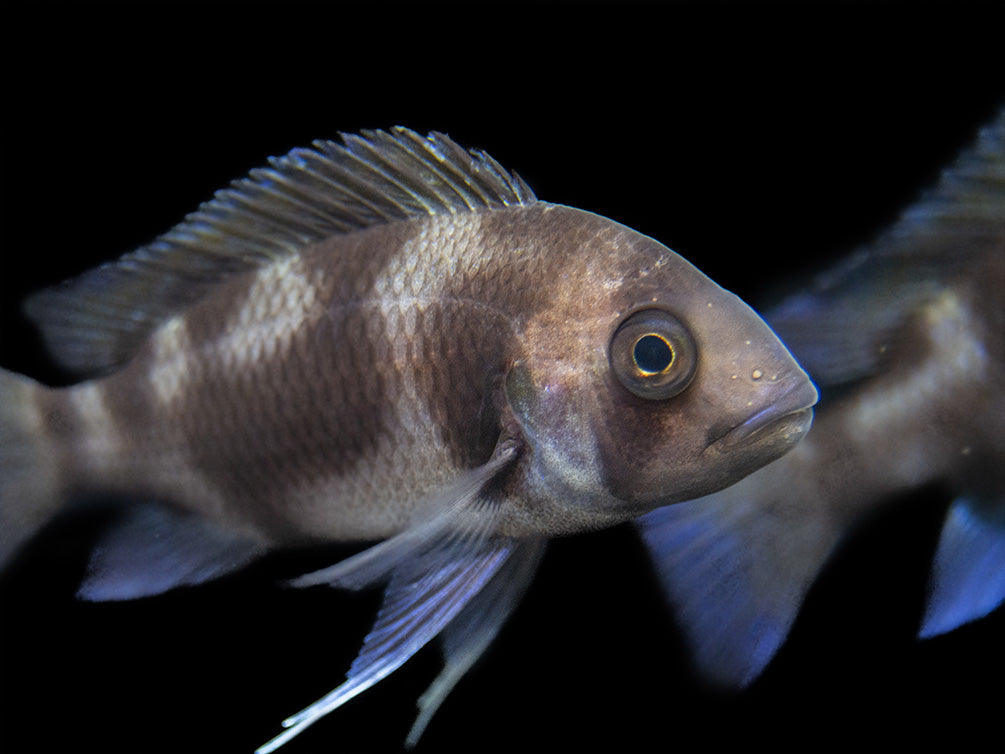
(94, 323)
(967, 204)
(970, 196)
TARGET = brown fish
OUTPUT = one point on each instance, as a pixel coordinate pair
(906, 339)
(387, 339)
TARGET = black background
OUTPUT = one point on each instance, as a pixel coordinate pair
(760, 142)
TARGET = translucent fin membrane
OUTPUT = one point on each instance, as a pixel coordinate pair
(422, 598)
(94, 323)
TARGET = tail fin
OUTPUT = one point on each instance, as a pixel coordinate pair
(28, 483)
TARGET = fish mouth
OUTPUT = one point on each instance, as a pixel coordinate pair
(787, 417)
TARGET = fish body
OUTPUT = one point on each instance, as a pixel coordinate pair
(906, 339)
(389, 339)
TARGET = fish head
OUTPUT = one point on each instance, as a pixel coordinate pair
(642, 383)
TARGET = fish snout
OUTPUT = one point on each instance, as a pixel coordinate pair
(783, 412)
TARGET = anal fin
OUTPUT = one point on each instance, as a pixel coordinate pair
(153, 549)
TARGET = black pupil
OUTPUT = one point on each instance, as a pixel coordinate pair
(652, 354)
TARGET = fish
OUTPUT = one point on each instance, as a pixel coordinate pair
(905, 338)
(386, 341)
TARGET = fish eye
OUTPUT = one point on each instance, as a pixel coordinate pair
(653, 355)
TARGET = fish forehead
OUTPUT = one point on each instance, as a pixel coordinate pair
(586, 269)
(603, 271)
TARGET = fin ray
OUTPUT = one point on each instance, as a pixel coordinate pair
(94, 323)
(435, 569)
(968, 573)
(424, 595)
(736, 566)
(467, 637)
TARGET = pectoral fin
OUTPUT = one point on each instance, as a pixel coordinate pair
(435, 570)
(968, 575)
(452, 503)
(476, 626)
(424, 595)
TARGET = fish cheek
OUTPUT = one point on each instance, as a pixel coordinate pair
(649, 453)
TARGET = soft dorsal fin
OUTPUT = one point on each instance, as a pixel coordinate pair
(93, 324)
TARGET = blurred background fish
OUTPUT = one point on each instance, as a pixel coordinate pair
(808, 136)
(907, 340)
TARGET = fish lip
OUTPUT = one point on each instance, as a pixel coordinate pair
(793, 406)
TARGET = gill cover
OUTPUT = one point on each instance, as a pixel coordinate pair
(555, 425)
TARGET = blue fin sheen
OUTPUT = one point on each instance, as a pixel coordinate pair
(435, 568)
(734, 576)
(424, 595)
(154, 549)
(968, 575)
(467, 637)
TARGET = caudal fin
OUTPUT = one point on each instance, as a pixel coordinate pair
(28, 493)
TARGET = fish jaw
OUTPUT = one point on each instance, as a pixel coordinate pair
(783, 421)
(774, 426)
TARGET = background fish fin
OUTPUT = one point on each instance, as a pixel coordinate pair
(736, 565)
(839, 339)
(154, 549)
(424, 595)
(968, 574)
(94, 323)
(845, 326)
(29, 495)
(467, 637)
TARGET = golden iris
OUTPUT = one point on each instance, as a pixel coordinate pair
(653, 355)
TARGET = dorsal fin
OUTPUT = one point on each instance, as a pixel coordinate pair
(94, 323)
(839, 329)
